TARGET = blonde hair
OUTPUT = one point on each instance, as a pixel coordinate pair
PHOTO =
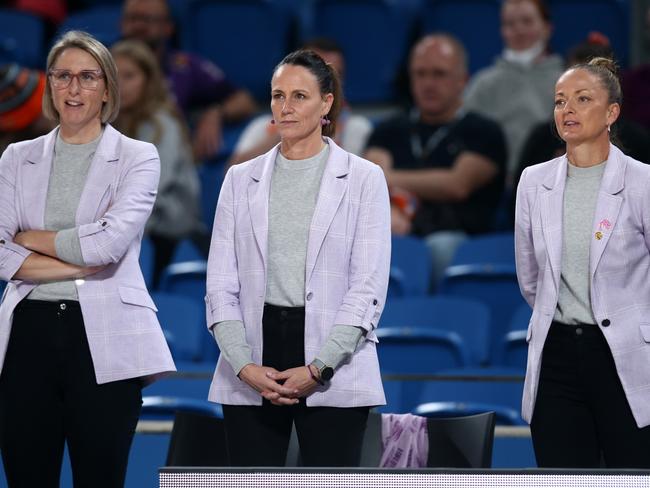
(156, 95)
(85, 42)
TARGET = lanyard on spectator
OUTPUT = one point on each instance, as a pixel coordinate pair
(422, 153)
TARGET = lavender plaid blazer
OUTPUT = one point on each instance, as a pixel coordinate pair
(124, 336)
(619, 267)
(348, 259)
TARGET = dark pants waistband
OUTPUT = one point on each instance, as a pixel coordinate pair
(46, 304)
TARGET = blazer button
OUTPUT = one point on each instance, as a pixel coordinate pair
(605, 323)
(104, 224)
(374, 302)
(309, 296)
(2, 241)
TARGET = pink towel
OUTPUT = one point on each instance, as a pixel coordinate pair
(405, 441)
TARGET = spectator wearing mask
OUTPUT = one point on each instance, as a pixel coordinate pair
(516, 89)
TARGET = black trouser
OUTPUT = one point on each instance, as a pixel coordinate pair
(49, 395)
(581, 413)
(259, 436)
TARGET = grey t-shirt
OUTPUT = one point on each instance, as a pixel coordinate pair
(580, 196)
(294, 191)
(67, 178)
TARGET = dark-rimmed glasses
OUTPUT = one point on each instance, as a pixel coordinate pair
(88, 79)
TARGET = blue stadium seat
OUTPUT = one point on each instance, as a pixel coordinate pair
(161, 407)
(246, 38)
(187, 278)
(102, 21)
(514, 345)
(183, 320)
(186, 250)
(375, 37)
(573, 20)
(467, 318)
(146, 261)
(410, 267)
(483, 269)
(406, 350)
(22, 39)
(504, 415)
(474, 22)
(211, 175)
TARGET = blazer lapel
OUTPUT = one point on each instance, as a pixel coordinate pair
(259, 188)
(332, 188)
(552, 210)
(35, 180)
(101, 175)
(607, 206)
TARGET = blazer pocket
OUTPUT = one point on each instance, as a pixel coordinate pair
(136, 296)
(645, 332)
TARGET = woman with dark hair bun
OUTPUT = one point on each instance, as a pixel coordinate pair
(582, 236)
(297, 279)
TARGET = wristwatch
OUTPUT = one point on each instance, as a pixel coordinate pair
(325, 372)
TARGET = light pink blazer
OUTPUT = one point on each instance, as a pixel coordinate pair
(619, 268)
(348, 260)
(124, 335)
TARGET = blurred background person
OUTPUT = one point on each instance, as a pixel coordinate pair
(79, 337)
(444, 166)
(515, 90)
(148, 113)
(352, 130)
(201, 89)
(21, 113)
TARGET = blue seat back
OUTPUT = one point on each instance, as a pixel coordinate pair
(102, 21)
(573, 20)
(146, 260)
(183, 320)
(245, 38)
(410, 267)
(22, 39)
(375, 37)
(468, 318)
(406, 350)
(186, 278)
(504, 415)
(474, 22)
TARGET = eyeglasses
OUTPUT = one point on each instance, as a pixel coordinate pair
(88, 79)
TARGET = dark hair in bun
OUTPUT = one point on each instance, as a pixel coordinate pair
(605, 69)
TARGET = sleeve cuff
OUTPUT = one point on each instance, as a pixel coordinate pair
(341, 343)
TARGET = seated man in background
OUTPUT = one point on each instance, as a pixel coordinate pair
(445, 167)
(197, 84)
(352, 131)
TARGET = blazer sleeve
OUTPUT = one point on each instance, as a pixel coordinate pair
(12, 255)
(222, 287)
(107, 240)
(526, 262)
(370, 258)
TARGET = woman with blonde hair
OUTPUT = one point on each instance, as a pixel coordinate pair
(78, 330)
(148, 113)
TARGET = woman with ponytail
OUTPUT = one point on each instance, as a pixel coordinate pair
(582, 236)
(297, 279)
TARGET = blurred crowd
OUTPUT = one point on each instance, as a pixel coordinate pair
(451, 159)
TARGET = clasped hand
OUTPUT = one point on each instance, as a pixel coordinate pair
(279, 387)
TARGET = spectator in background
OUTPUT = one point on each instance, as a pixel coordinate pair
(544, 143)
(197, 84)
(448, 162)
(352, 131)
(515, 90)
(148, 113)
(21, 113)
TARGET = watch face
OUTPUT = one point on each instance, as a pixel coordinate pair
(326, 373)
